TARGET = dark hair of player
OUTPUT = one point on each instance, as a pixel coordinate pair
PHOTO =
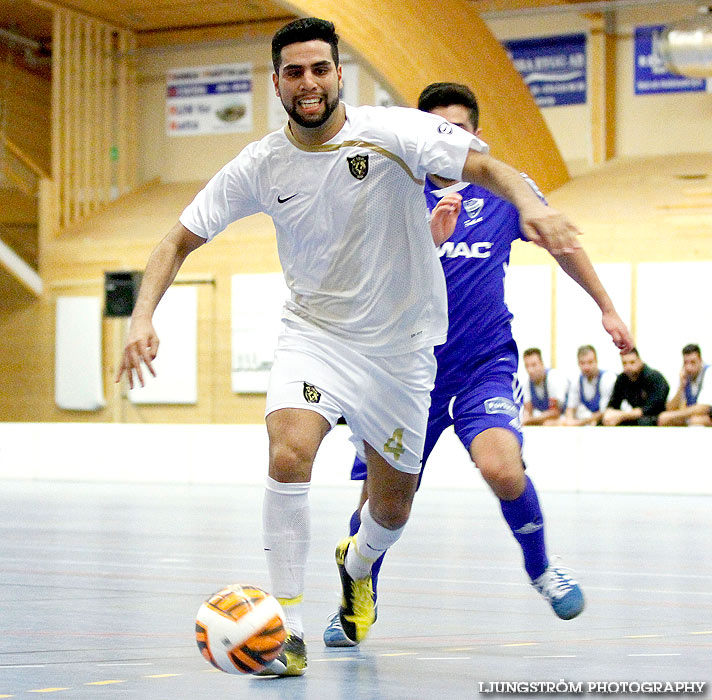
(446, 94)
(304, 29)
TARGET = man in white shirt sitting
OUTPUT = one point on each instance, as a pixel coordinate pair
(590, 392)
(692, 402)
(544, 392)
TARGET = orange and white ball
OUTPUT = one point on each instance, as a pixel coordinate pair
(240, 629)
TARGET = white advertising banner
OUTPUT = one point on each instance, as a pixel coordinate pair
(257, 303)
(176, 365)
(209, 99)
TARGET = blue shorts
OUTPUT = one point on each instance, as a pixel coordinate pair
(488, 395)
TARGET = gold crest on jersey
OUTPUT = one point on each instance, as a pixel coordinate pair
(358, 166)
(311, 393)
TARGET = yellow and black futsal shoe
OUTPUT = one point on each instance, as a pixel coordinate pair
(358, 606)
(292, 660)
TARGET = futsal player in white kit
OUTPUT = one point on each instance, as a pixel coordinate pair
(368, 300)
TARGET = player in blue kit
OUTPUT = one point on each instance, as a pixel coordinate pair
(476, 387)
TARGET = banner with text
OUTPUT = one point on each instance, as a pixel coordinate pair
(651, 76)
(209, 99)
(553, 67)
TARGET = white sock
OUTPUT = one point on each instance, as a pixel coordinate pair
(286, 536)
(371, 541)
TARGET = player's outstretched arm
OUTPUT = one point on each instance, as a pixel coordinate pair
(161, 269)
(540, 223)
(444, 217)
(579, 268)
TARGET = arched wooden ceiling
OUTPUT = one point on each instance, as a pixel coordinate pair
(411, 43)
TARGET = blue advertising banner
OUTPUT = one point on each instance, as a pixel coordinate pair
(651, 78)
(553, 67)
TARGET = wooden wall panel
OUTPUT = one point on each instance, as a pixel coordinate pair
(121, 238)
(94, 95)
(27, 112)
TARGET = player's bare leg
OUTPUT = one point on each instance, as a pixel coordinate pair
(497, 454)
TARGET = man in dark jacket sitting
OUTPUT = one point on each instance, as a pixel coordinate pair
(639, 394)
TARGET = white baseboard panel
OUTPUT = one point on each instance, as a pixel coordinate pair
(593, 460)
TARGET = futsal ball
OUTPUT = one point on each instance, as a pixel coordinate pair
(240, 629)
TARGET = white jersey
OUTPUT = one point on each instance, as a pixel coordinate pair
(555, 386)
(581, 411)
(705, 393)
(351, 220)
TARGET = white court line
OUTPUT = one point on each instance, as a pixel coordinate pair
(22, 666)
(394, 565)
(588, 572)
(100, 563)
(469, 582)
(127, 663)
(551, 656)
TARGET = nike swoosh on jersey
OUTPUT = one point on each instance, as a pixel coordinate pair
(286, 199)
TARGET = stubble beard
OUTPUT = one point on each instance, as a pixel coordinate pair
(315, 121)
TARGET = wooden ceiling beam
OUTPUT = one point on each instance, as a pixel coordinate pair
(241, 31)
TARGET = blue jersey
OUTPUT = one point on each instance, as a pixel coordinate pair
(476, 387)
(690, 394)
(592, 404)
(475, 260)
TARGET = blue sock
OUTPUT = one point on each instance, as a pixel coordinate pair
(355, 522)
(523, 515)
(354, 525)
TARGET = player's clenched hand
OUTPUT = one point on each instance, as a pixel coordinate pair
(444, 217)
(141, 347)
(549, 229)
(615, 327)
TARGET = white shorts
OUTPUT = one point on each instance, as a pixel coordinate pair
(385, 400)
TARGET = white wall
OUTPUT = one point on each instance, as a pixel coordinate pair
(666, 321)
(611, 460)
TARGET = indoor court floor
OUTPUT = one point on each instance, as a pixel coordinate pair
(101, 582)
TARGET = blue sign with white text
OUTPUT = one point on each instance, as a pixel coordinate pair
(553, 67)
(651, 77)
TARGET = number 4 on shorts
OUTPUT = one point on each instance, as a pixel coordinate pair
(394, 444)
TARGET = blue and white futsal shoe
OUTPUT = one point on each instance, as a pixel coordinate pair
(561, 591)
(334, 635)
